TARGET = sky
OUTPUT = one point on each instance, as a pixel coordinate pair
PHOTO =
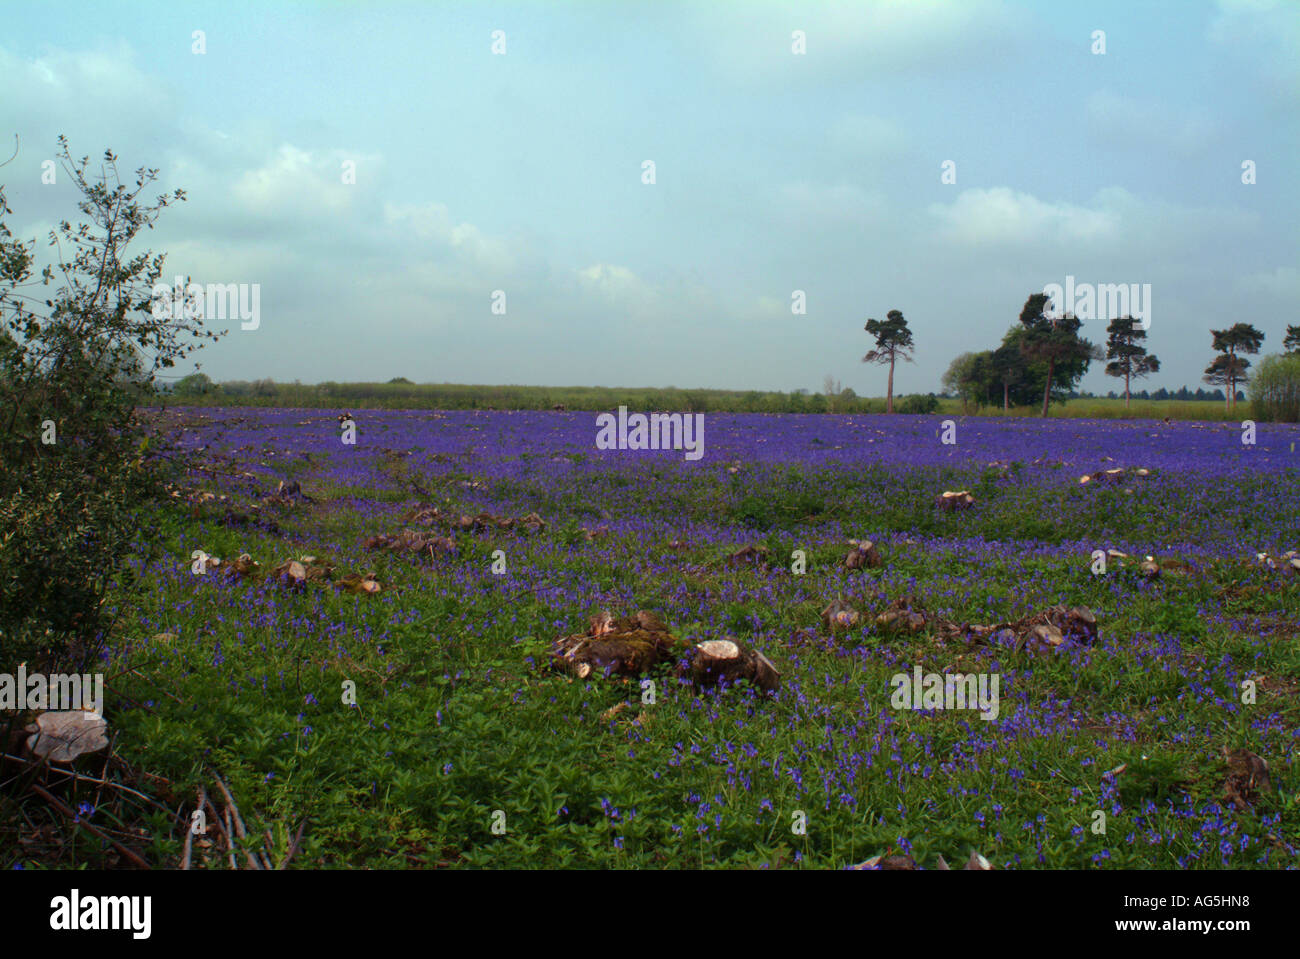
(383, 172)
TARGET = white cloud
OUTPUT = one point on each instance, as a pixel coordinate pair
(1005, 216)
(296, 183)
(610, 280)
(433, 222)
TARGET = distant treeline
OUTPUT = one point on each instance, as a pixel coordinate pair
(400, 394)
(198, 390)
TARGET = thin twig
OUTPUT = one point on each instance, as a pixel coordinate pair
(239, 820)
(293, 848)
(82, 777)
(68, 813)
(216, 821)
(230, 843)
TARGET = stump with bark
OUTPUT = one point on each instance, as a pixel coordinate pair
(719, 660)
(622, 646)
(863, 555)
(949, 501)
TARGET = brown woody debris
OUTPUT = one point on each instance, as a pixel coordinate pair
(63, 735)
(863, 554)
(839, 615)
(245, 567)
(751, 555)
(903, 615)
(1247, 777)
(718, 660)
(1288, 563)
(410, 541)
(625, 646)
(1116, 475)
(949, 500)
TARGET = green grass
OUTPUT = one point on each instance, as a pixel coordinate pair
(449, 396)
(454, 726)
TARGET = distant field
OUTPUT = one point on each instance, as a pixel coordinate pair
(453, 396)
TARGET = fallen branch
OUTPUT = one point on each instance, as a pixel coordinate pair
(82, 777)
(239, 820)
(69, 814)
(293, 848)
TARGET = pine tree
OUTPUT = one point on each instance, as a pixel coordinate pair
(893, 342)
(1229, 367)
(1056, 342)
(1128, 357)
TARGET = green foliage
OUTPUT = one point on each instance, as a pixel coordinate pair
(1229, 368)
(77, 459)
(893, 343)
(1129, 359)
(196, 384)
(919, 403)
(1054, 343)
(1275, 389)
(786, 501)
(968, 378)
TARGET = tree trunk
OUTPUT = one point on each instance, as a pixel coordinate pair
(1006, 396)
(1126, 398)
(1231, 399)
(889, 398)
(1047, 390)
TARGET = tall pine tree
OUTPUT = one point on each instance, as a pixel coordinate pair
(1128, 357)
(893, 343)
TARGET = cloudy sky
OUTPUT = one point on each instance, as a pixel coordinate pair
(774, 172)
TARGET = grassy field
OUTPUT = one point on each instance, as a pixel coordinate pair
(453, 396)
(461, 747)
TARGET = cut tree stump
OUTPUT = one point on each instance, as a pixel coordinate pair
(716, 660)
(950, 500)
(863, 554)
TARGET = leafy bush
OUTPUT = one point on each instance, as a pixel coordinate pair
(196, 384)
(919, 403)
(77, 458)
(1275, 388)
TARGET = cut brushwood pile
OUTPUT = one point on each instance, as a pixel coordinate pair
(633, 645)
(427, 515)
(1116, 475)
(621, 646)
(413, 541)
(1038, 632)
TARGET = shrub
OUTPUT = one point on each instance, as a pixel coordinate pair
(1275, 389)
(919, 403)
(76, 460)
(196, 384)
